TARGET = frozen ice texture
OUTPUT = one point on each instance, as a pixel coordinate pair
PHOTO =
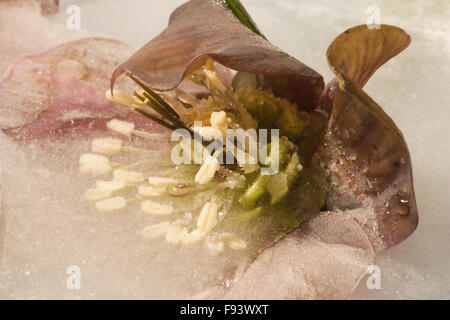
(53, 104)
(32, 32)
(323, 259)
(412, 89)
(47, 227)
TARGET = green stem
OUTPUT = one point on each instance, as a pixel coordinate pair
(239, 11)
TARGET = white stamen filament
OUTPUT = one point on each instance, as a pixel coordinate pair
(88, 158)
(156, 231)
(220, 121)
(155, 208)
(214, 245)
(194, 237)
(108, 146)
(151, 191)
(136, 165)
(128, 129)
(232, 241)
(144, 134)
(176, 234)
(95, 168)
(237, 244)
(208, 133)
(122, 127)
(121, 97)
(110, 186)
(128, 176)
(193, 150)
(162, 181)
(207, 171)
(111, 204)
(213, 81)
(183, 95)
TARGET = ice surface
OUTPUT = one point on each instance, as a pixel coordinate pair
(413, 91)
(411, 88)
(32, 32)
(49, 228)
(323, 259)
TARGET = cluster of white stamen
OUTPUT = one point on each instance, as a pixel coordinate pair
(178, 233)
(89, 158)
(104, 189)
(105, 193)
